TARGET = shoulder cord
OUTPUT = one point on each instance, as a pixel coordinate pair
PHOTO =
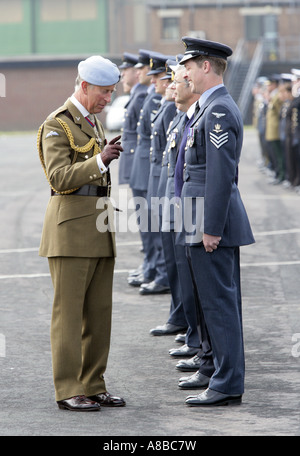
(77, 149)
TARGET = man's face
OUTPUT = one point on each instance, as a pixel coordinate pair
(160, 84)
(97, 97)
(169, 93)
(182, 89)
(194, 75)
(129, 78)
(142, 75)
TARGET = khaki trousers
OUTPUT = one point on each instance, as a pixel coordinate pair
(81, 324)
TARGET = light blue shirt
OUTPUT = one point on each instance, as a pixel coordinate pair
(207, 93)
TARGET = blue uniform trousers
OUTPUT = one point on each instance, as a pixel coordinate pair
(217, 278)
(187, 294)
(177, 314)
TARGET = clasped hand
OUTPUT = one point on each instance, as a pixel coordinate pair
(210, 242)
(111, 151)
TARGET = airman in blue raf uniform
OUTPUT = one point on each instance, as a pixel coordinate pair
(212, 155)
(176, 321)
(160, 125)
(138, 92)
(139, 175)
(183, 310)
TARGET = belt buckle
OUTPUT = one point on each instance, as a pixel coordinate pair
(108, 191)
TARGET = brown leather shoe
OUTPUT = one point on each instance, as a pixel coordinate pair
(79, 404)
(107, 400)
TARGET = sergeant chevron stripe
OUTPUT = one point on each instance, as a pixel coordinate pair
(218, 141)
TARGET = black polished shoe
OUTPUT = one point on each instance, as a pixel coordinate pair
(137, 281)
(187, 365)
(185, 350)
(136, 272)
(153, 288)
(197, 380)
(79, 404)
(211, 398)
(107, 400)
(166, 330)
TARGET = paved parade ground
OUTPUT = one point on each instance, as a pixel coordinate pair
(140, 368)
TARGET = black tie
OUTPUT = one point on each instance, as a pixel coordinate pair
(197, 109)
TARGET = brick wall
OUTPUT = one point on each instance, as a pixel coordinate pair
(209, 20)
(34, 92)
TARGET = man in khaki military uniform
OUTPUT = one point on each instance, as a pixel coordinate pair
(78, 237)
(272, 137)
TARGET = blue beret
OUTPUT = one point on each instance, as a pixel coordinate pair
(195, 48)
(99, 71)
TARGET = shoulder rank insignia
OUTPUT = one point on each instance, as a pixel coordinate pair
(52, 133)
(216, 139)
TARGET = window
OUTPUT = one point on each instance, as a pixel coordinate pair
(266, 27)
(170, 28)
(253, 27)
(170, 23)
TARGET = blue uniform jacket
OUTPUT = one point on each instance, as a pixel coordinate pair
(139, 175)
(166, 182)
(212, 157)
(160, 127)
(129, 131)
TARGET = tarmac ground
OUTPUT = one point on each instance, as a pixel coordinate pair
(140, 368)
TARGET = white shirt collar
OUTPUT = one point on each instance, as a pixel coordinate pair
(79, 106)
(191, 109)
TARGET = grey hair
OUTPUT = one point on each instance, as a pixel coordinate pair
(78, 82)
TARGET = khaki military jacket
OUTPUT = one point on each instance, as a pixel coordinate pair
(78, 226)
(272, 118)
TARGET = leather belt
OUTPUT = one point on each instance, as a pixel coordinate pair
(88, 190)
